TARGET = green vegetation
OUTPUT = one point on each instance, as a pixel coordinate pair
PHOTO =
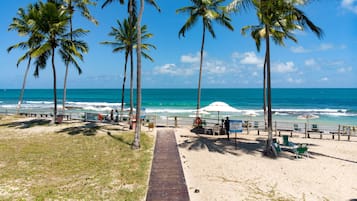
(59, 166)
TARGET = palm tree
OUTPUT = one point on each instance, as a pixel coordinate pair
(70, 6)
(132, 17)
(52, 23)
(209, 11)
(258, 33)
(284, 16)
(22, 26)
(136, 142)
(125, 36)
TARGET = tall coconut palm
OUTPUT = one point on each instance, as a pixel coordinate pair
(136, 142)
(21, 24)
(52, 23)
(209, 11)
(71, 6)
(125, 36)
(284, 16)
(132, 16)
(258, 32)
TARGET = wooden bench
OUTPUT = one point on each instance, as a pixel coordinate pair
(285, 130)
(316, 132)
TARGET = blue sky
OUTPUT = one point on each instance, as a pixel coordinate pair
(231, 60)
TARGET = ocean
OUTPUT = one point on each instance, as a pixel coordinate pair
(332, 106)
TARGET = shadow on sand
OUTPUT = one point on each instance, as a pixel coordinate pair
(234, 146)
(242, 145)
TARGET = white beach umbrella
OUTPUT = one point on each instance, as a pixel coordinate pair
(307, 117)
(251, 113)
(218, 107)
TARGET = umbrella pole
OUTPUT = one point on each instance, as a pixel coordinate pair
(218, 117)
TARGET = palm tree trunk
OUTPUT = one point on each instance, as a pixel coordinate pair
(200, 73)
(67, 63)
(123, 87)
(23, 87)
(270, 151)
(265, 93)
(131, 20)
(54, 86)
(65, 89)
(131, 83)
(136, 143)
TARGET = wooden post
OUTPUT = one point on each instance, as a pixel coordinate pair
(276, 130)
(349, 133)
(305, 130)
(339, 132)
(175, 121)
(247, 127)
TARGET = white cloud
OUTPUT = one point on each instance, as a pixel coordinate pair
(255, 74)
(215, 67)
(310, 62)
(322, 47)
(191, 58)
(171, 69)
(344, 70)
(294, 81)
(325, 46)
(350, 5)
(299, 49)
(324, 79)
(249, 58)
(287, 67)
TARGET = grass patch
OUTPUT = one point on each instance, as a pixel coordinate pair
(59, 166)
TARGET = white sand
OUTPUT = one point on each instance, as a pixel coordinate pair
(220, 171)
(214, 167)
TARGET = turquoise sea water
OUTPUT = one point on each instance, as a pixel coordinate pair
(331, 105)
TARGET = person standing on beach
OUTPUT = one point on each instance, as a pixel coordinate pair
(226, 126)
(112, 115)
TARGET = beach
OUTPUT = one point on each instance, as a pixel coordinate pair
(218, 169)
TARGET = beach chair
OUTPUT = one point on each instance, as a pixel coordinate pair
(296, 127)
(301, 150)
(276, 145)
(314, 128)
(256, 125)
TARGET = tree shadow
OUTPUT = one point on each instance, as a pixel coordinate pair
(88, 129)
(119, 138)
(234, 146)
(27, 124)
(333, 157)
(223, 145)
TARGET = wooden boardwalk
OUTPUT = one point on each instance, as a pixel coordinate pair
(167, 181)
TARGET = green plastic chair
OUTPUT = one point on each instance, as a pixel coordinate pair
(301, 150)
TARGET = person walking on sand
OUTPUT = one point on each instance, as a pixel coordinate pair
(226, 126)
